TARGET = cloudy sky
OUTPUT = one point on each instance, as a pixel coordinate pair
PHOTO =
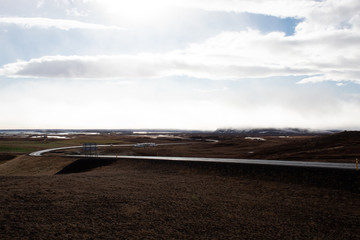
(184, 64)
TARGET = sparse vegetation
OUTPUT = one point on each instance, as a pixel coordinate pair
(54, 197)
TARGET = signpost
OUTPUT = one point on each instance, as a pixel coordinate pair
(90, 150)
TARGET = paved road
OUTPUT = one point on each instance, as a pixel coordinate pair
(41, 152)
(349, 166)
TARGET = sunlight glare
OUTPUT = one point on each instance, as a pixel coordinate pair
(136, 11)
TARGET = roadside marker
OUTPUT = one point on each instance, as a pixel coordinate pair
(357, 164)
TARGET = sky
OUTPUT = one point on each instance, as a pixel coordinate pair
(179, 64)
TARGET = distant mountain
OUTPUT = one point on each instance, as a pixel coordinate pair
(275, 132)
(245, 132)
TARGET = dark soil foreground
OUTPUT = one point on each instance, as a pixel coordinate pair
(128, 199)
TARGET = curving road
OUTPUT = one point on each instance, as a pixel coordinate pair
(41, 152)
(347, 166)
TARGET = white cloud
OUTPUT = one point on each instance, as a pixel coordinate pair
(331, 14)
(76, 12)
(324, 11)
(89, 67)
(230, 55)
(62, 24)
(40, 3)
(161, 104)
(279, 8)
(323, 48)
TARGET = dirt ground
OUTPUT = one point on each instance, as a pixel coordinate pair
(342, 147)
(53, 197)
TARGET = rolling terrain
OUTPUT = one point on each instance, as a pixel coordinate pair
(56, 197)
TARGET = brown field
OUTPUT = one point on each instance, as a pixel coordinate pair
(55, 197)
